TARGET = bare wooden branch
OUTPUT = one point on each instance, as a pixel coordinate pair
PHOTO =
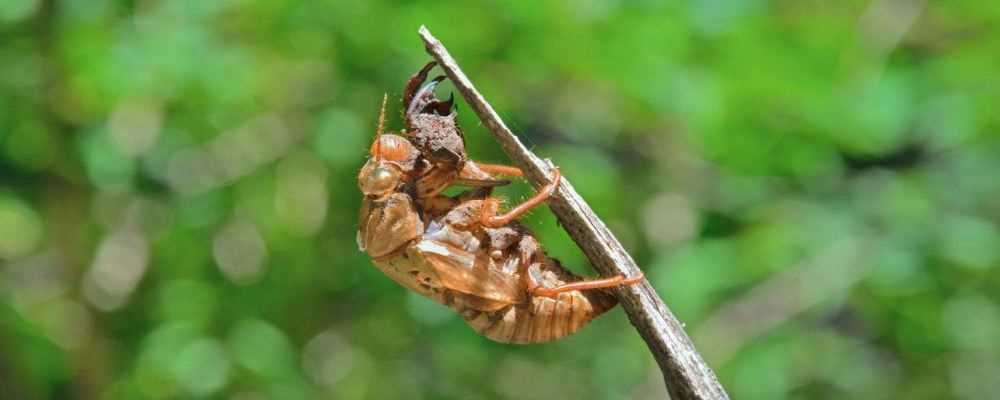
(685, 373)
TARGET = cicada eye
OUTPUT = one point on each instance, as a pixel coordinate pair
(379, 179)
(392, 148)
(383, 177)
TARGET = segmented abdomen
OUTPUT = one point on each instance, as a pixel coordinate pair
(543, 318)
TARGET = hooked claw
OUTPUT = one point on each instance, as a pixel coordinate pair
(442, 108)
(424, 100)
(421, 99)
(411, 86)
(430, 123)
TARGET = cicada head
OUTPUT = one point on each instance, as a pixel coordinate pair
(392, 159)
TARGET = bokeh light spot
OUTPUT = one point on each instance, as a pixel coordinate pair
(301, 194)
(669, 219)
(135, 125)
(119, 264)
(20, 228)
(328, 358)
(262, 348)
(201, 367)
(970, 242)
(106, 166)
(67, 322)
(240, 251)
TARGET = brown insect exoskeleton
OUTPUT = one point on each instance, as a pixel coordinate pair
(456, 250)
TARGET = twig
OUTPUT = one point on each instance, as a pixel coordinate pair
(686, 374)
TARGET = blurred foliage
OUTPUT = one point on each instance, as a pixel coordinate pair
(810, 185)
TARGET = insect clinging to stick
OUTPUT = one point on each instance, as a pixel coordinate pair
(456, 250)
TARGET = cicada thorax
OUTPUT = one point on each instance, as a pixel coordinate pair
(443, 149)
(439, 138)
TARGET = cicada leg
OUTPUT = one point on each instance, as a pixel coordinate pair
(620, 280)
(531, 274)
(499, 169)
(491, 205)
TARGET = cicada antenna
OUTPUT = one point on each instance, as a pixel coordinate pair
(377, 148)
(381, 114)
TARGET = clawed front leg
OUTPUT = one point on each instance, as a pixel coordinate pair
(491, 205)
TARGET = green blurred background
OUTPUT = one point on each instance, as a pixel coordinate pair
(811, 186)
